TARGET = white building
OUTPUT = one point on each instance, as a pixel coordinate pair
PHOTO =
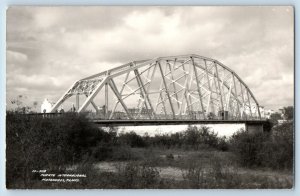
(268, 113)
(254, 110)
(46, 106)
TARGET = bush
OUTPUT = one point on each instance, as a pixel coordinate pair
(102, 152)
(248, 146)
(170, 156)
(132, 175)
(34, 143)
(131, 139)
(217, 176)
(273, 150)
(193, 138)
(279, 149)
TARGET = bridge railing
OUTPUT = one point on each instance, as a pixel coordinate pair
(121, 116)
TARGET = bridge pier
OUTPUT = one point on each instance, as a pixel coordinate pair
(254, 128)
(264, 126)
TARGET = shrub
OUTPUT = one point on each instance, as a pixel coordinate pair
(222, 144)
(195, 175)
(279, 149)
(273, 150)
(248, 147)
(170, 156)
(131, 139)
(132, 175)
(102, 152)
(34, 143)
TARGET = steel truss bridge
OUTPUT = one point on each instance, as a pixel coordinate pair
(165, 89)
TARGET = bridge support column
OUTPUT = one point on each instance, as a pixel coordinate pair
(265, 126)
(254, 128)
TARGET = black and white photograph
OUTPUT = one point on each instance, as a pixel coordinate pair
(150, 97)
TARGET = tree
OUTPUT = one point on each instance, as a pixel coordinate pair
(288, 112)
(35, 104)
(34, 143)
(274, 118)
(18, 105)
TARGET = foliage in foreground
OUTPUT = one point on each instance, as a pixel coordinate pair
(37, 143)
(54, 143)
(135, 175)
(272, 150)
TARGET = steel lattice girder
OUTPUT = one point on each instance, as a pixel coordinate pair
(176, 87)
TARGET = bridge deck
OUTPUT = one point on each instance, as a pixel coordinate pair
(149, 122)
(172, 122)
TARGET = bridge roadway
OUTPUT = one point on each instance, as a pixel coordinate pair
(173, 122)
(250, 124)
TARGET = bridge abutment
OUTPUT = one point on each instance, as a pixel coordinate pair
(258, 127)
(254, 128)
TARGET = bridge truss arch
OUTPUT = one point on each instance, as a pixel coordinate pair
(175, 87)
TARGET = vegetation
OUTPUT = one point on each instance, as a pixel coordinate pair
(199, 158)
(288, 113)
(272, 150)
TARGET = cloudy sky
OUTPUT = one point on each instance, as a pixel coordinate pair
(48, 48)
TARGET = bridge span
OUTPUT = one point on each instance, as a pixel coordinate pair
(184, 89)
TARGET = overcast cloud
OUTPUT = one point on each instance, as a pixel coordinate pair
(48, 48)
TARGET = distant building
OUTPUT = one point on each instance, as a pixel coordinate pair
(281, 121)
(46, 106)
(254, 110)
(268, 113)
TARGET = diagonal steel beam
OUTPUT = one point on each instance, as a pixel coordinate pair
(144, 92)
(62, 99)
(92, 95)
(210, 89)
(160, 98)
(116, 92)
(93, 104)
(147, 89)
(198, 88)
(172, 77)
(121, 91)
(166, 89)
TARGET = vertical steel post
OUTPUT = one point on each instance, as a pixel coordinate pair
(186, 84)
(220, 92)
(106, 101)
(244, 104)
(77, 102)
(249, 102)
(236, 97)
